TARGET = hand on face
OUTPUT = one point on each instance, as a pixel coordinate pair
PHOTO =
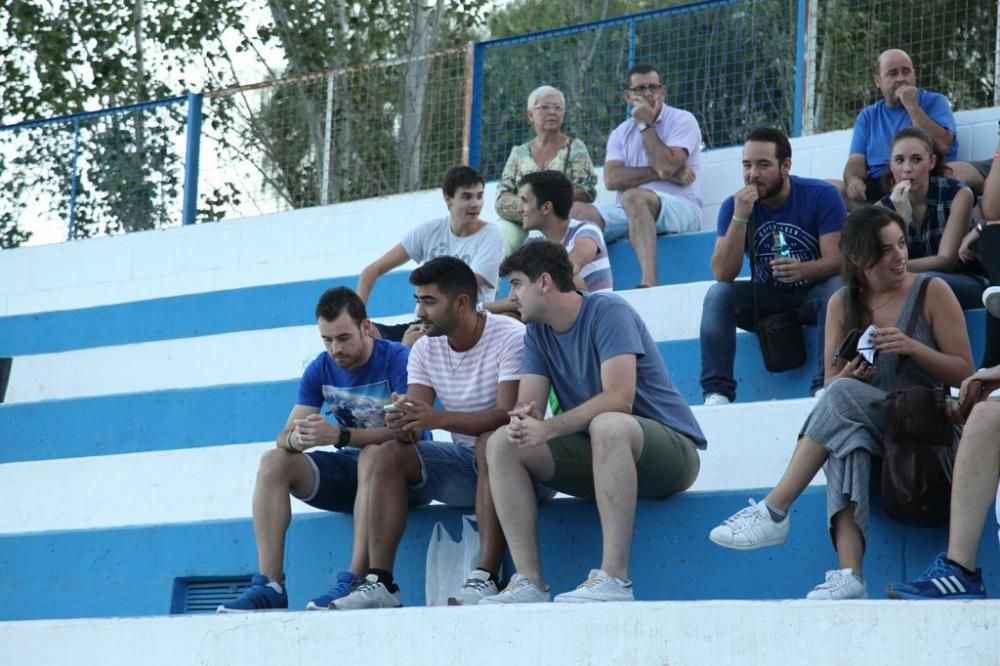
(744, 200)
(642, 110)
(900, 198)
(907, 95)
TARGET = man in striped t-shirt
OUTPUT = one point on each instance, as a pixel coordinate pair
(470, 361)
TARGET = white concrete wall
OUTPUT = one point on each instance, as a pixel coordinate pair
(325, 241)
(888, 633)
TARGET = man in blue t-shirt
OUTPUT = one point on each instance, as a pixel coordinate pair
(903, 105)
(341, 400)
(793, 226)
(624, 431)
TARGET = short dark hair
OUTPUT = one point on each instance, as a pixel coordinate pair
(551, 185)
(541, 256)
(641, 68)
(460, 176)
(451, 275)
(336, 300)
(782, 147)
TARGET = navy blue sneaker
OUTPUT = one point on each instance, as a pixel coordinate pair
(942, 580)
(258, 597)
(346, 583)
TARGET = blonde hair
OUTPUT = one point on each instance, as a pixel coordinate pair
(543, 91)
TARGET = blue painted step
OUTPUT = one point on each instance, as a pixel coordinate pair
(132, 571)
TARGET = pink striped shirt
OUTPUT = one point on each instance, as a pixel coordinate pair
(467, 381)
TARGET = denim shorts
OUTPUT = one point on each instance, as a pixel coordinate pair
(676, 216)
(447, 474)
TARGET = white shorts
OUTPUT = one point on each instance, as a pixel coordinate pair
(676, 217)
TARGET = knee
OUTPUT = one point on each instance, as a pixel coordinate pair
(275, 464)
(717, 295)
(381, 458)
(497, 448)
(984, 420)
(610, 433)
(636, 200)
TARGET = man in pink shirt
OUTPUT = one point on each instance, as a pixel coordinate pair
(652, 161)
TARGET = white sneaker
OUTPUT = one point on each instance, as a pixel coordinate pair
(370, 594)
(839, 584)
(599, 586)
(751, 528)
(478, 587)
(715, 399)
(519, 590)
(991, 301)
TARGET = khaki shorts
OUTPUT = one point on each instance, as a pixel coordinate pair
(669, 462)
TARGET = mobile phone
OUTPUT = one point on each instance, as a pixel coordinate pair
(391, 408)
(848, 349)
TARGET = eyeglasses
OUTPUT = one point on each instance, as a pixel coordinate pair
(545, 108)
(649, 88)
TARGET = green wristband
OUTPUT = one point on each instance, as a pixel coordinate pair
(741, 220)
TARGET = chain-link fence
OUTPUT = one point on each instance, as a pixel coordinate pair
(334, 136)
(731, 63)
(953, 44)
(92, 174)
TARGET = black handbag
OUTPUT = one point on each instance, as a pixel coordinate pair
(920, 443)
(780, 335)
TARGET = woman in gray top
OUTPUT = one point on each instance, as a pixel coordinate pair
(845, 428)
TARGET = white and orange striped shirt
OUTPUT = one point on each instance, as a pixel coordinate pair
(467, 381)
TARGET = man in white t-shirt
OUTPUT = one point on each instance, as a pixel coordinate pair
(470, 361)
(462, 234)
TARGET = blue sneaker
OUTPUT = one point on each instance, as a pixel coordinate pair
(346, 583)
(259, 596)
(942, 580)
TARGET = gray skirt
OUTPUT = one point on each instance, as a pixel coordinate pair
(850, 428)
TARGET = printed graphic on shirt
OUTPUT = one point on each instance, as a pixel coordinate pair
(800, 245)
(357, 406)
(441, 250)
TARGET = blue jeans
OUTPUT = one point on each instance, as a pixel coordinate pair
(729, 305)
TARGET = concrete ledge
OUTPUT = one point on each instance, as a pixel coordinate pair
(889, 633)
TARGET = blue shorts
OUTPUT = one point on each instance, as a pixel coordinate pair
(676, 217)
(447, 474)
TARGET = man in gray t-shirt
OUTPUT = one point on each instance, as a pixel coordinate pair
(462, 234)
(624, 431)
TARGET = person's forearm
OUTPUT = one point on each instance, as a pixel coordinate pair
(926, 264)
(582, 195)
(727, 258)
(501, 307)
(950, 369)
(473, 423)
(624, 178)
(666, 161)
(942, 137)
(855, 170)
(361, 437)
(366, 281)
(578, 419)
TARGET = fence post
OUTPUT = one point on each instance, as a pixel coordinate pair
(996, 60)
(192, 158)
(475, 119)
(800, 68)
(75, 179)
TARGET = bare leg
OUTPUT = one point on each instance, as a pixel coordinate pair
(616, 443)
(280, 473)
(848, 540)
(491, 541)
(392, 465)
(642, 207)
(969, 174)
(586, 212)
(359, 550)
(511, 469)
(974, 484)
(807, 460)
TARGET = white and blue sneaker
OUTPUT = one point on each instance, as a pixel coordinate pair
(942, 580)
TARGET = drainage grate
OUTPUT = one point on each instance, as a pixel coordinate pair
(203, 595)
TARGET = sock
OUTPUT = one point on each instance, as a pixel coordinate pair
(777, 515)
(975, 575)
(384, 577)
(276, 586)
(493, 576)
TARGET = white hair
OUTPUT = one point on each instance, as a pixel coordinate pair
(543, 91)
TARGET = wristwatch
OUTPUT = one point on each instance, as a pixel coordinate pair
(643, 127)
(344, 439)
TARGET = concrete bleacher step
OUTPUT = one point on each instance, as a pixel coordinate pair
(138, 570)
(888, 633)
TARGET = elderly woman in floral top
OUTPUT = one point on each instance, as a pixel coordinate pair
(550, 149)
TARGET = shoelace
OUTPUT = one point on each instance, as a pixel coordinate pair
(834, 579)
(590, 583)
(937, 569)
(367, 586)
(744, 517)
(477, 584)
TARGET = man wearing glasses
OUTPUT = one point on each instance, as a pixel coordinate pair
(652, 161)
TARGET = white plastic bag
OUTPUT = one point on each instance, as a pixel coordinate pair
(450, 562)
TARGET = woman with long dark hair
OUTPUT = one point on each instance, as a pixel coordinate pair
(845, 428)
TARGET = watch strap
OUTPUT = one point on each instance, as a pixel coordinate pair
(344, 439)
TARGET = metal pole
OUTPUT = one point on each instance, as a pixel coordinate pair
(75, 177)
(476, 121)
(324, 193)
(800, 69)
(996, 60)
(192, 158)
(809, 122)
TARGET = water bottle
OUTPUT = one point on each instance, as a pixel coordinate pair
(781, 248)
